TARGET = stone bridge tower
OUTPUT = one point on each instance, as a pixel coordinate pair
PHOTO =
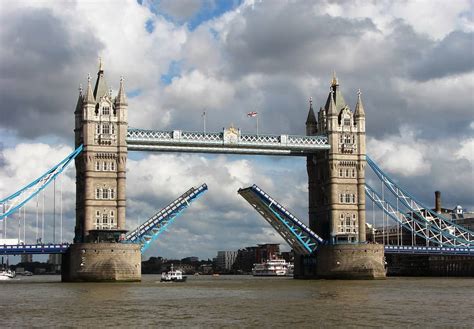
(101, 126)
(336, 181)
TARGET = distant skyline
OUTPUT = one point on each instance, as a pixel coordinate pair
(412, 60)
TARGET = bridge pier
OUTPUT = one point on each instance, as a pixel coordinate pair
(99, 262)
(342, 261)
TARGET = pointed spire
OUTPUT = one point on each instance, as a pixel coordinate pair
(89, 96)
(359, 108)
(121, 96)
(332, 110)
(334, 81)
(100, 88)
(311, 117)
(79, 101)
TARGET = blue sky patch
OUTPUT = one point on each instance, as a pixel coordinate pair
(174, 70)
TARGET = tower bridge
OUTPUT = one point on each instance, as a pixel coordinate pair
(333, 245)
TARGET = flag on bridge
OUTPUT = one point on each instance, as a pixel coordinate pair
(252, 114)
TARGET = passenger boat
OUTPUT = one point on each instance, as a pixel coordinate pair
(273, 267)
(7, 274)
(173, 276)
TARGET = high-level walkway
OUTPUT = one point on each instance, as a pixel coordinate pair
(230, 141)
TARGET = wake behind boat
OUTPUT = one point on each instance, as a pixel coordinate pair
(173, 276)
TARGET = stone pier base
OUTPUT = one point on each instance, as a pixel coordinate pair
(342, 261)
(99, 262)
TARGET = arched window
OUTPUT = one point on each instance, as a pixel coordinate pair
(112, 219)
(104, 166)
(105, 193)
(340, 172)
(353, 173)
(97, 166)
(97, 193)
(112, 166)
(353, 198)
(106, 110)
(97, 128)
(105, 128)
(341, 198)
(112, 193)
(112, 129)
(105, 218)
(347, 172)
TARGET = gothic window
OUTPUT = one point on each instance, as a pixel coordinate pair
(97, 128)
(105, 193)
(97, 166)
(97, 219)
(106, 110)
(112, 193)
(353, 199)
(104, 166)
(353, 173)
(112, 128)
(341, 198)
(112, 219)
(97, 193)
(340, 172)
(347, 122)
(105, 218)
(112, 166)
(347, 139)
(105, 128)
(347, 198)
(347, 172)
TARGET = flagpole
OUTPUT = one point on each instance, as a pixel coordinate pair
(204, 121)
(257, 124)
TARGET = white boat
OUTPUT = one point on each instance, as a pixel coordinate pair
(173, 276)
(273, 267)
(7, 275)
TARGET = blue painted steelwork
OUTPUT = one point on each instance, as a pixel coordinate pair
(448, 232)
(15, 201)
(421, 250)
(415, 224)
(34, 249)
(147, 232)
(300, 237)
(229, 141)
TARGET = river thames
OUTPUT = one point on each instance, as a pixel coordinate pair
(238, 301)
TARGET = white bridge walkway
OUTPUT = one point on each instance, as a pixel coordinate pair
(231, 140)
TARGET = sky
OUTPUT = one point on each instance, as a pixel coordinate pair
(412, 60)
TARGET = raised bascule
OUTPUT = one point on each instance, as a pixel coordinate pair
(333, 245)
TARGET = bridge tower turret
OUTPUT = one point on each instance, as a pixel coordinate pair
(101, 126)
(336, 179)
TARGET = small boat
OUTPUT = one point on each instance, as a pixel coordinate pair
(173, 276)
(7, 275)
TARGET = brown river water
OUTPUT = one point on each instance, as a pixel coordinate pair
(238, 302)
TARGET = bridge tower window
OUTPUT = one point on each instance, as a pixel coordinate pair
(106, 110)
(105, 128)
(112, 193)
(112, 129)
(105, 218)
(112, 166)
(105, 193)
(97, 128)
(97, 166)
(97, 193)
(104, 166)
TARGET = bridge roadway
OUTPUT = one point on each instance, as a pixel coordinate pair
(230, 141)
(60, 248)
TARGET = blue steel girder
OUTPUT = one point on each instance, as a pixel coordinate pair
(421, 250)
(16, 200)
(414, 224)
(461, 235)
(20, 249)
(302, 239)
(149, 231)
(229, 141)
